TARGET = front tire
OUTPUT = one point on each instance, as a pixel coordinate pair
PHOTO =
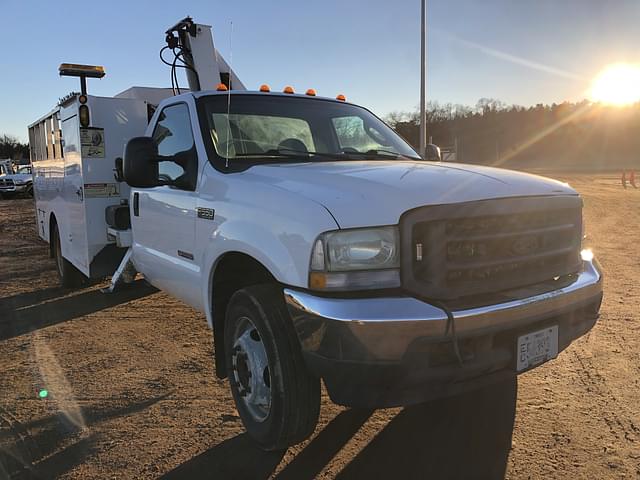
(70, 276)
(277, 399)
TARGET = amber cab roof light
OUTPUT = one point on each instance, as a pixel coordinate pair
(288, 89)
(265, 88)
(221, 87)
(311, 92)
(77, 70)
(341, 97)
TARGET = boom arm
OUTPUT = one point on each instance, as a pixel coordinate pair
(208, 67)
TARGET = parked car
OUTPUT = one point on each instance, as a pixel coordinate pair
(20, 182)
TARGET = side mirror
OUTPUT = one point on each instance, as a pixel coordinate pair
(140, 163)
(432, 153)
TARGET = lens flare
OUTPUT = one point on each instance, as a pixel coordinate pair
(617, 84)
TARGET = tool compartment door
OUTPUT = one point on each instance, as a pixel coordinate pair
(114, 121)
(70, 215)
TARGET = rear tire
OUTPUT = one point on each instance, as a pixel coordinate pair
(70, 276)
(277, 398)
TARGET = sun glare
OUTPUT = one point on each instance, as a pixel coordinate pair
(617, 84)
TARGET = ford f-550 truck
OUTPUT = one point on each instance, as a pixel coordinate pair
(320, 245)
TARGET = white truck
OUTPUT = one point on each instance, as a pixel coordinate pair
(20, 182)
(318, 243)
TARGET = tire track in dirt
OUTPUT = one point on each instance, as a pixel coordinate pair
(615, 412)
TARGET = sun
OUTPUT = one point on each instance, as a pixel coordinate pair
(617, 84)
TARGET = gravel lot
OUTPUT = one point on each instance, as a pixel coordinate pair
(132, 394)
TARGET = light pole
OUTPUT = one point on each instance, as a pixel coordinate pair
(423, 54)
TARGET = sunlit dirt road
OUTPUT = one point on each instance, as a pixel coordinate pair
(122, 386)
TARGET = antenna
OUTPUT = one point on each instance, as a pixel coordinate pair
(229, 94)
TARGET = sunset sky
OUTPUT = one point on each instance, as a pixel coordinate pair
(518, 52)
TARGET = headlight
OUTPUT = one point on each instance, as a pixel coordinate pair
(19, 182)
(357, 259)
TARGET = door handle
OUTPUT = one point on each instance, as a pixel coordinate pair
(136, 204)
(79, 193)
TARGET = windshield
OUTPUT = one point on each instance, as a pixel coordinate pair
(25, 170)
(260, 128)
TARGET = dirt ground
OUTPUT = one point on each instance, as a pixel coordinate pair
(132, 394)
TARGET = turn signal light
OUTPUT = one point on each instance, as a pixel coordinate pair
(82, 99)
(341, 97)
(317, 281)
(288, 89)
(264, 88)
(221, 87)
(311, 92)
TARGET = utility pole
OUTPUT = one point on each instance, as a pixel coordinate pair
(423, 54)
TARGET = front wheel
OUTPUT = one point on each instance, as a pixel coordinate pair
(277, 398)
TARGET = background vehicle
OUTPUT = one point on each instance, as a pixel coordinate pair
(317, 242)
(20, 182)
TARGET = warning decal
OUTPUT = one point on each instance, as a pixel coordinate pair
(101, 190)
(92, 141)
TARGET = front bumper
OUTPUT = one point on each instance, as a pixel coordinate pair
(14, 189)
(389, 351)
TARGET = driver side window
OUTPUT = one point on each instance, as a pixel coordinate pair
(174, 137)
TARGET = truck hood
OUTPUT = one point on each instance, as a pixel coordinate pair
(379, 192)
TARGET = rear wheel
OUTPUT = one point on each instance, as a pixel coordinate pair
(70, 276)
(277, 398)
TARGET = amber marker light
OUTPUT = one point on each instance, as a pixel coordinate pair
(288, 89)
(265, 88)
(341, 97)
(221, 87)
(317, 281)
(311, 92)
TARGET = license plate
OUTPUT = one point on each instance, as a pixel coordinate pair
(537, 347)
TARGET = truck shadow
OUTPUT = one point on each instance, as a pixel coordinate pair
(466, 436)
(31, 311)
(50, 446)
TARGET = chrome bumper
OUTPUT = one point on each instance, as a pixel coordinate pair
(14, 189)
(383, 329)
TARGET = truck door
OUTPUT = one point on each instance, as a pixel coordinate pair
(164, 217)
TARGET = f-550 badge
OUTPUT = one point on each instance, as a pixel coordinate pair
(206, 213)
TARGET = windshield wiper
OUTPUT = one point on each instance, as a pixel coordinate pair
(287, 153)
(381, 154)
(297, 154)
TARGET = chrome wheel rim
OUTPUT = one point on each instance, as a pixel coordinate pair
(250, 366)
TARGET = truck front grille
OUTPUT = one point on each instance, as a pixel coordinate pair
(6, 183)
(487, 247)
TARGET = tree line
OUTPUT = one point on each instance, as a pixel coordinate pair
(581, 135)
(12, 148)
